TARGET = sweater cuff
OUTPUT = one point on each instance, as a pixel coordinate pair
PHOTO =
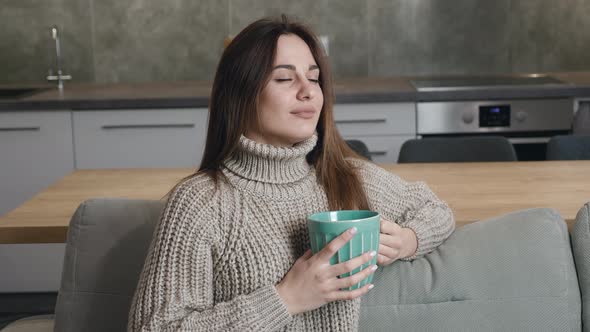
(270, 308)
(431, 228)
(425, 242)
(415, 255)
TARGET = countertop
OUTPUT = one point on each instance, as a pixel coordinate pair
(93, 96)
(474, 191)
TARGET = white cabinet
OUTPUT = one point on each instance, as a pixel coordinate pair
(39, 148)
(31, 267)
(383, 127)
(383, 149)
(158, 138)
(35, 151)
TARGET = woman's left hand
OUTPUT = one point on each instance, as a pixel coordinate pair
(395, 242)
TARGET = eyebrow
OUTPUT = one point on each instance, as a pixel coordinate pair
(291, 67)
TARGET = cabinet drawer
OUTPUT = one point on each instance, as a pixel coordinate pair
(383, 149)
(35, 151)
(140, 138)
(375, 119)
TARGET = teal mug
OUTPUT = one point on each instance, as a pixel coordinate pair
(325, 226)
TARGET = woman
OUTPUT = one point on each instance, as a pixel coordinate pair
(231, 251)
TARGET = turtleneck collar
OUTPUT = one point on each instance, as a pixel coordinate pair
(270, 164)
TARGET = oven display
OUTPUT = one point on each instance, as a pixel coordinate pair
(494, 116)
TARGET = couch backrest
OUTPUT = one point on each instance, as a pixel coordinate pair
(581, 250)
(107, 243)
(514, 272)
(510, 273)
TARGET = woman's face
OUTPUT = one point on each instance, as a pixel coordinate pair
(289, 106)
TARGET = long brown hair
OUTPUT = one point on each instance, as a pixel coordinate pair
(243, 72)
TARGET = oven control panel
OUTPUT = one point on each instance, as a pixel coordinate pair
(494, 116)
(474, 117)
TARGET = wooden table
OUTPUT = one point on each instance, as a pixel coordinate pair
(474, 191)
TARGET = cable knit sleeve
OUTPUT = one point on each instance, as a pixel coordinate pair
(412, 205)
(175, 291)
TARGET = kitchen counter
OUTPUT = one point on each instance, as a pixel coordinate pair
(474, 191)
(91, 96)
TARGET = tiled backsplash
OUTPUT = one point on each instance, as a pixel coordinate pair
(153, 40)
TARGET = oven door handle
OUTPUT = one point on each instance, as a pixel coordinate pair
(528, 140)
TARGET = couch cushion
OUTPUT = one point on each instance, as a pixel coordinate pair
(514, 272)
(581, 249)
(107, 243)
(41, 323)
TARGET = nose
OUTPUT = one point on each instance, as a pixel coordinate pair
(305, 91)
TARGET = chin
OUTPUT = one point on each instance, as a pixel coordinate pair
(292, 135)
(301, 136)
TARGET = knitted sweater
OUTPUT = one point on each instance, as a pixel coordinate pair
(218, 252)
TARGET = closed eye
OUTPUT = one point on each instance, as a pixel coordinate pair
(283, 79)
(314, 80)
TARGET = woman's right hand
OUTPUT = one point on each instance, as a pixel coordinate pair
(312, 281)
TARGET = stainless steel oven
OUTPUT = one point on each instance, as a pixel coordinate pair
(528, 124)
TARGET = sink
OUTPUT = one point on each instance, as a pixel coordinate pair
(15, 93)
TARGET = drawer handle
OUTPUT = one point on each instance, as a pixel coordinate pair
(361, 121)
(377, 153)
(20, 128)
(148, 126)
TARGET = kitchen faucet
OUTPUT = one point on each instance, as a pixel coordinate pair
(59, 77)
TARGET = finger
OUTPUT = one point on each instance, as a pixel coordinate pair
(332, 248)
(354, 279)
(349, 295)
(349, 265)
(392, 241)
(384, 227)
(388, 251)
(389, 227)
(387, 239)
(306, 255)
(383, 260)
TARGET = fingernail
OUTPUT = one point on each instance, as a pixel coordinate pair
(374, 267)
(373, 253)
(352, 230)
(371, 286)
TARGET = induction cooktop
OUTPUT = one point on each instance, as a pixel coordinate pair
(481, 82)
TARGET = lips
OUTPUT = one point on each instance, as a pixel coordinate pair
(305, 113)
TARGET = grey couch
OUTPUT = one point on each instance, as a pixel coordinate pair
(512, 273)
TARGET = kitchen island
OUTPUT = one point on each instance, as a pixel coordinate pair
(474, 191)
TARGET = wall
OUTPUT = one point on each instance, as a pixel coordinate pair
(154, 40)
